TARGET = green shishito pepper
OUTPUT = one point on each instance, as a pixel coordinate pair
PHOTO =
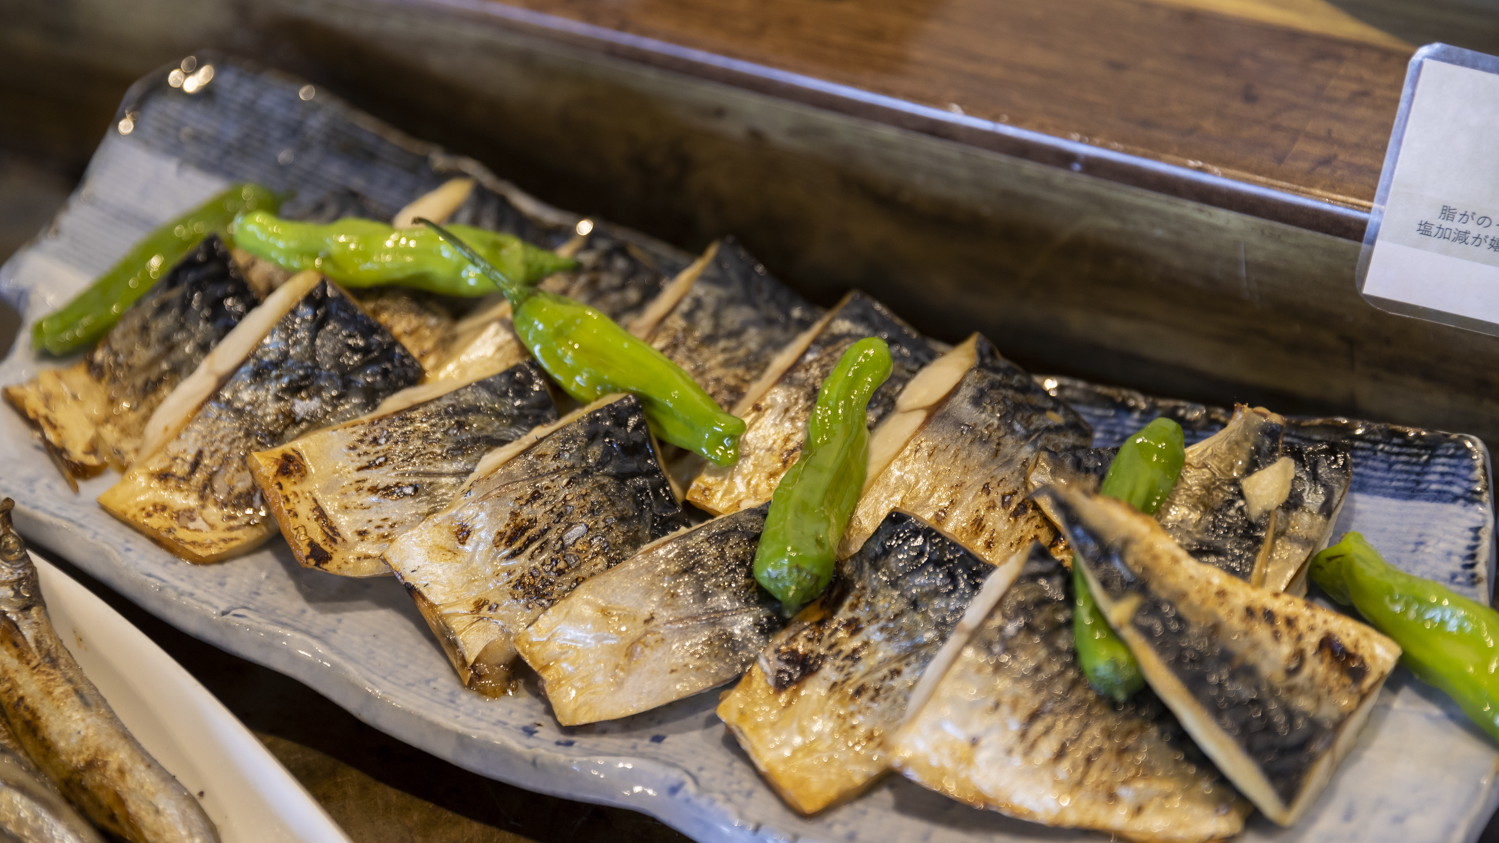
(1142, 475)
(356, 252)
(1446, 639)
(589, 356)
(813, 502)
(89, 316)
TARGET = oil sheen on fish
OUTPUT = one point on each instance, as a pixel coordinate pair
(724, 319)
(1004, 719)
(537, 518)
(1272, 687)
(341, 494)
(68, 729)
(682, 615)
(956, 450)
(775, 409)
(92, 413)
(1222, 510)
(306, 358)
(816, 709)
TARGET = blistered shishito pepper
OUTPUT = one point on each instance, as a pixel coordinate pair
(814, 500)
(1142, 475)
(89, 316)
(364, 253)
(589, 356)
(1446, 640)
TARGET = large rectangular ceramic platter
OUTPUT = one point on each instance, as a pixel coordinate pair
(1418, 773)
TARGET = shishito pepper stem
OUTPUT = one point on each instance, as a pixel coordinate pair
(365, 253)
(89, 316)
(1447, 640)
(1142, 475)
(814, 501)
(589, 356)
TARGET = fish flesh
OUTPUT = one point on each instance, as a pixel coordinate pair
(92, 413)
(723, 319)
(682, 615)
(816, 709)
(306, 358)
(536, 519)
(67, 727)
(1004, 719)
(956, 449)
(1273, 688)
(1305, 520)
(775, 409)
(1222, 509)
(342, 493)
(31, 806)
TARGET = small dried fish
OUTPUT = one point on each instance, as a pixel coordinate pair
(68, 728)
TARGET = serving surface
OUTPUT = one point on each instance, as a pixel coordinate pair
(362, 644)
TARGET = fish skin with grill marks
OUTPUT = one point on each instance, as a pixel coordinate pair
(92, 412)
(683, 615)
(536, 519)
(322, 362)
(962, 466)
(730, 323)
(618, 276)
(1006, 720)
(815, 711)
(776, 417)
(343, 493)
(1273, 688)
(1305, 520)
(1209, 513)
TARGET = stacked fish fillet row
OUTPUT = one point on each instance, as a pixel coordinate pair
(396, 432)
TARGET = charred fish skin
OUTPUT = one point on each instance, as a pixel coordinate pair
(342, 494)
(1304, 522)
(1273, 688)
(522, 534)
(964, 468)
(492, 210)
(323, 362)
(31, 806)
(815, 711)
(1210, 513)
(1012, 725)
(616, 275)
(92, 413)
(776, 418)
(730, 324)
(683, 615)
(68, 728)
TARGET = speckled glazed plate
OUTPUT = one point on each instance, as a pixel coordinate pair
(1418, 772)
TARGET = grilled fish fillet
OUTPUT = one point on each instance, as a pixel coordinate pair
(682, 615)
(775, 409)
(1273, 688)
(815, 711)
(93, 412)
(536, 519)
(1305, 520)
(67, 727)
(31, 807)
(308, 357)
(723, 320)
(341, 494)
(1004, 719)
(956, 450)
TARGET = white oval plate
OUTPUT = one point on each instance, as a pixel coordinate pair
(1418, 772)
(244, 789)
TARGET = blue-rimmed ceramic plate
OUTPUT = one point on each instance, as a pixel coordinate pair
(1418, 773)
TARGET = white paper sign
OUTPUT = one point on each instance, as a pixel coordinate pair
(1432, 247)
